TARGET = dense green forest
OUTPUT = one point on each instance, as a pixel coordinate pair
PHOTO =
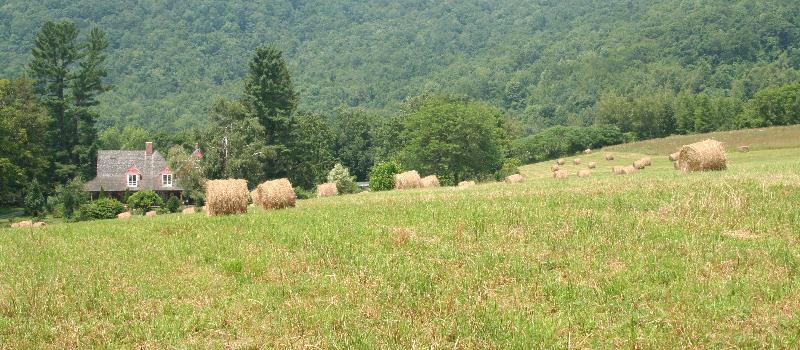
(546, 62)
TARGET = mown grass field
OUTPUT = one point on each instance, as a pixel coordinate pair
(655, 260)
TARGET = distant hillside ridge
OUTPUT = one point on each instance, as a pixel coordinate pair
(548, 62)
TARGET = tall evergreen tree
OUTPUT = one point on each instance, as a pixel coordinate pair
(270, 97)
(68, 77)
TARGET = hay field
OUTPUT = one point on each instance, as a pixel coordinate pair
(658, 259)
(761, 139)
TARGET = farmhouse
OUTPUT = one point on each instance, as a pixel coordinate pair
(132, 171)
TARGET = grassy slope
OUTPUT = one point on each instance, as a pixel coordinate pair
(757, 139)
(657, 259)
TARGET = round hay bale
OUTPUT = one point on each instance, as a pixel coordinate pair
(514, 179)
(189, 210)
(674, 156)
(618, 170)
(225, 197)
(639, 164)
(592, 165)
(276, 194)
(327, 190)
(124, 216)
(576, 161)
(23, 224)
(429, 181)
(150, 214)
(561, 175)
(744, 149)
(609, 157)
(629, 169)
(561, 162)
(647, 161)
(406, 180)
(702, 156)
(584, 173)
(466, 184)
(587, 151)
(555, 168)
(39, 224)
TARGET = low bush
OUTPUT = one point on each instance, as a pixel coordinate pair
(510, 167)
(345, 183)
(301, 193)
(103, 208)
(145, 201)
(173, 204)
(381, 176)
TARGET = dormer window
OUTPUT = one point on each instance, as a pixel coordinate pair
(166, 180)
(133, 180)
(133, 177)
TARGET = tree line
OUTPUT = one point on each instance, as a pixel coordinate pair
(546, 63)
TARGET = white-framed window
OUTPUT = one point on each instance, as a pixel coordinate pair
(166, 180)
(133, 180)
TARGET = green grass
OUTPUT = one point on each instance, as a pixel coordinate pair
(758, 139)
(656, 259)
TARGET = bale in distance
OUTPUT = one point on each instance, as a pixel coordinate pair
(609, 157)
(124, 216)
(429, 181)
(618, 170)
(629, 169)
(576, 161)
(406, 180)
(592, 165)
(584, 173)
(150, 214)
(647, 161)
(225, 197)
(254, 196)
(587, 151)
(674, 156)
(561, 162)
(702, 156)
(561, 175)
(327, 189)
(639, 164)
(466, 184)
(189, 210)
(275, 194)
(514, 179)
(744, 149)
(555, 168)
(39, 224)
(22, 224)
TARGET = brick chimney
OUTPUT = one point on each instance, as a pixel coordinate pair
(148, 148)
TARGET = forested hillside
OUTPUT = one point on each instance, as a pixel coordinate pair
(547, 62)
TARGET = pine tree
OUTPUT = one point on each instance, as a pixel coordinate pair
(270, 97)
(68, 77)
(34, 200)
